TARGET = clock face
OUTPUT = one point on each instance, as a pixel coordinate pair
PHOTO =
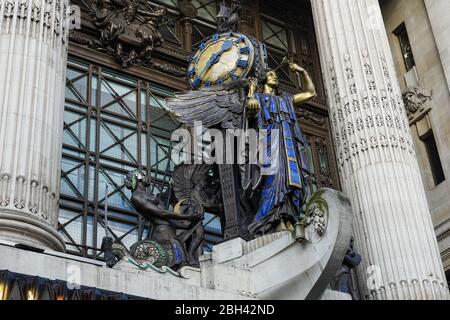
(221, 59)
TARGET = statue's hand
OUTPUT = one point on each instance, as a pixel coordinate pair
(253, 84)
(253, 107)
(296, 68)
(253, 104)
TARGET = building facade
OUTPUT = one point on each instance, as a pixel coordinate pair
(416, 36)
(58, 167)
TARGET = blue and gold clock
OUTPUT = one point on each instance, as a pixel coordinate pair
(221, 59)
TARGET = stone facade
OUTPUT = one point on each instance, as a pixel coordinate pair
(428, 31)
(376, 160)
(376, 156)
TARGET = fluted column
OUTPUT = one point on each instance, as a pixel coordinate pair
(376, 157)
(33, 58)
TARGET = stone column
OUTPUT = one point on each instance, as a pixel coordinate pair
(376, 157)
(33, 58)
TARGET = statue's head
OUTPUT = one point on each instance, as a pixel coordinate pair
(272, 79)
(135, 178)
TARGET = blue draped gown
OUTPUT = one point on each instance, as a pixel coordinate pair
(281, 194)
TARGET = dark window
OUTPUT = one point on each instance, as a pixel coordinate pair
(433, 157)
(447, 275)
(405, 45)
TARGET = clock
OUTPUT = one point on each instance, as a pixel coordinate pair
(221, 59)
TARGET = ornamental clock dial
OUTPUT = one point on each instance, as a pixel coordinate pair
(222, 59)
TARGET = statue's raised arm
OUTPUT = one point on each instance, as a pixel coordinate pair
(310, 89)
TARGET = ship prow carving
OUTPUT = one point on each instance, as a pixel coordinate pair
(285, 265)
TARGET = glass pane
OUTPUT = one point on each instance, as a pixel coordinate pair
(275, 35)
(211, 223)
(92, 174)
(200, 32)
(73, 73)
(75, 134)
(143, 106)
(75, 228)
(92, 136)
(207, 9)
(118, 195)
(275, 60)
(90, 233)
(131, 238)
(310, 158)
(72, 181)
(118, 142)
(118, 98)
(94, 88)
(77, 89)
(144, 149)
(323, 159)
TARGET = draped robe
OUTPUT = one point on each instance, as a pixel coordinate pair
(281, 194)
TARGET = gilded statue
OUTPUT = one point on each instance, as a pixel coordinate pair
(282, 195)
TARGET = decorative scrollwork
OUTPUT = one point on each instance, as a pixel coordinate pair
(314, 224)
(309, 116)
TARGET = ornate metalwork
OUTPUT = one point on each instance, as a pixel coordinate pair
(228, 18)
(128, 29)
(307, 115)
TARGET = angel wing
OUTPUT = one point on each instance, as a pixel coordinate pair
(211, 106)
(200, 182)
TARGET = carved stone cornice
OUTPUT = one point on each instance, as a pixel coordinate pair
(415, 99)
(169, 69)
(443, 235)
(166, 50)
(312, 117)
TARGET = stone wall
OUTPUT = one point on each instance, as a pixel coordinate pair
(427, 33)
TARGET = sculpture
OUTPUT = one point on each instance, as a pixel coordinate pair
(128, 29)
(228, 18)
(342, 280)
(225, 95)
(282, 194)
(176, 235)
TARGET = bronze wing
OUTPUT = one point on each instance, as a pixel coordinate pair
(200, 182)
(211, 106)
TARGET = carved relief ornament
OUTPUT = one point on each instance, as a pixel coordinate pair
(415, 99)
(128, 29)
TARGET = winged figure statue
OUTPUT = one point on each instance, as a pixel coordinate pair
(218, 105)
